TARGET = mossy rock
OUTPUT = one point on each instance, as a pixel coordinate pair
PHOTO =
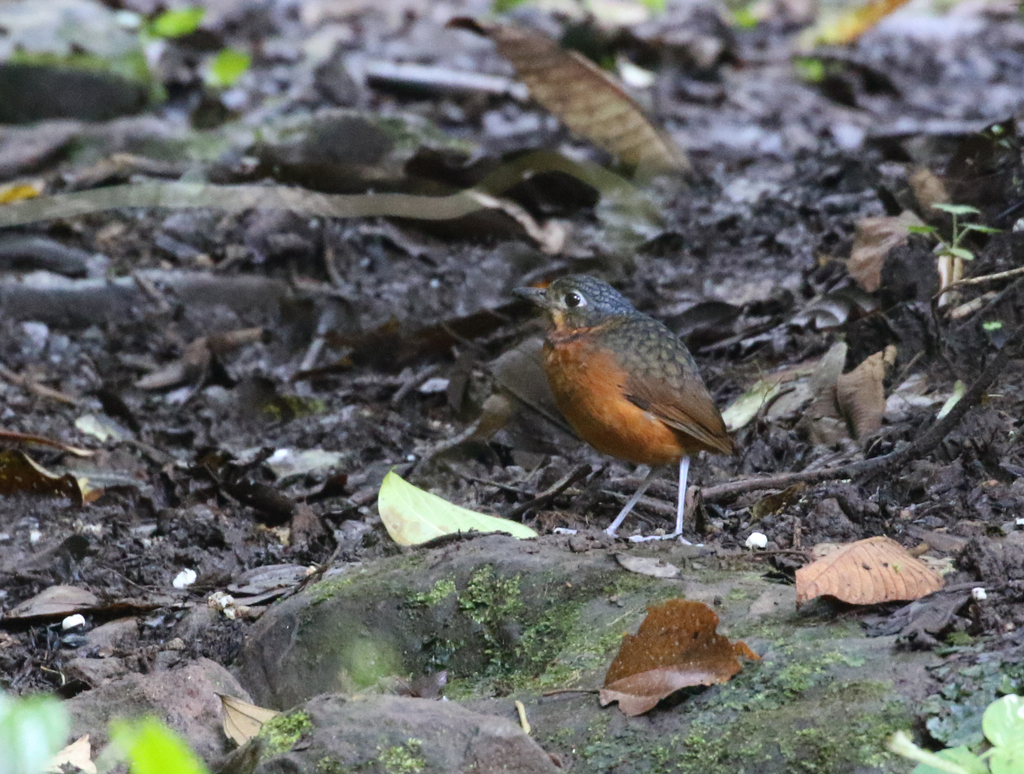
(495, 612)
(398, 735)
(515, 620)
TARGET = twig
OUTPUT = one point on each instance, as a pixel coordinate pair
(1002, 295)
(552, 491)
(39, 389)
(982, 279)
(413, 382)
(924, 443)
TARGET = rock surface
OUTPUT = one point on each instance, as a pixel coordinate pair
(515, 620)
(186, 699)
(392, 733)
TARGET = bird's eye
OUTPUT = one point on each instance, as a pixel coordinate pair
(572, 300)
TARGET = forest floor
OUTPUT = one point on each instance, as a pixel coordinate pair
(243, 380)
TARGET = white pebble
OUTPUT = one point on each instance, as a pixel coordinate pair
(756, 540)
(72, 621)
(979, 594)
(184, 578)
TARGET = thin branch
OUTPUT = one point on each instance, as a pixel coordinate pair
(999, 275)
(580, 472)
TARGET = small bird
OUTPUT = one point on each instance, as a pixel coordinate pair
(628, 386)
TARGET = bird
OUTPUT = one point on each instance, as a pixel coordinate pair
(626, 383)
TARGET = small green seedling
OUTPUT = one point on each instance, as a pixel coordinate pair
(1003, 724)
(954, 248)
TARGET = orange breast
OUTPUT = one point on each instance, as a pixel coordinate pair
(587, 385)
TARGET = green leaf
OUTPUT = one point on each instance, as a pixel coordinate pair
(1007, 760)
(921, 229)
(958, 760)
(991, 326)
(654, 5)
(958, 756)
(227, 67)
(811, 69)
(153, 748)
(32, 730)
(957, 209)
(1003, 721)
(177, 22)
(981, 229)
(959, 252)
(742, 410)
(413, 516)
(744, 18)
(958, 392)
(504, 6)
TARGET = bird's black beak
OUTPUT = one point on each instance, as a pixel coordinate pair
(537, 295)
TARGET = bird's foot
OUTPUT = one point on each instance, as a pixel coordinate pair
(648, 538)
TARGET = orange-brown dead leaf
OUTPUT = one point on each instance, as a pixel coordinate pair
(928, 188)
(872, 243)
(582, 96)
(860, 394)
(677, 646)
(866, 573)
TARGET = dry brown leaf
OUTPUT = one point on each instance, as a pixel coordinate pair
(928, 189)
(78, 755)
(582, 96)
(836, 307)
(866, 573)
(242, 720)
(677, 646)
(191, 367)
(874, 239)
(20, 474)
(860, 394)
(775, 503)
(821, 550)
(56, 601)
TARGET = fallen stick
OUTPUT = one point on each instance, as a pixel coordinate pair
(924, 443)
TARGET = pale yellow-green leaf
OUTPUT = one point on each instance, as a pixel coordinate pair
(959, 388)
(413, 516)
(745, 407)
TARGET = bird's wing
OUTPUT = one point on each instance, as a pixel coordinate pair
(686, 406)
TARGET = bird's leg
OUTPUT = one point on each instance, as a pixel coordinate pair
(632, 501)
(684, 470)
